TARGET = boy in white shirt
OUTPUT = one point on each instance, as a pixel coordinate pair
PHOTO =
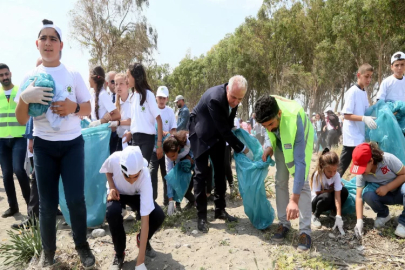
(355, 106)
(129, 184)
(169, 126)
(393, 87)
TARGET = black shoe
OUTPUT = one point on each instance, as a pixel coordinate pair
(189, 206)
(25, 224)
(46, 259)
(304, 242)
(149, 252)
(222, 214)
(86, 256)
(178, 207)
(118, 262)
(202, 225)
(210, 198)
(10, 212)
(59, 213)
(280, 234)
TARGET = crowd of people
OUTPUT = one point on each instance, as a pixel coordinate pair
(147, 137)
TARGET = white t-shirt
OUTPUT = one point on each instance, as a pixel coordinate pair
(356, 103)
(143, 117)
(392, 89)
(68, 80)
(125, 114)
(105, 104)
(168, 118)
(317, 186)
(236, 123)
(142, 186)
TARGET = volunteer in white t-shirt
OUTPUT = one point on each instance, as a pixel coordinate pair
(356, 103)
(169, 126)
(129, 184)
(144, 114)
(58, 153)
(393, 87)
(123, 104)
(102, 107)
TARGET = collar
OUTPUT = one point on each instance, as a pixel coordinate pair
(358, 86)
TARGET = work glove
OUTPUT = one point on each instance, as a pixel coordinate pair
(170, 210)
(339, 224)
(36, 94)
(141, 267)
(358, 230)
(369, 121)
(113, 124)
(95, 123)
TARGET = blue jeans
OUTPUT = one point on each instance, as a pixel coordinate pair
(12, 157)
(53, 160)
(379, 204)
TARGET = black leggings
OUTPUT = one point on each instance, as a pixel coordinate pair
(326, 201)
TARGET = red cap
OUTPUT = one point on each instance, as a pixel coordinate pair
(360, 157)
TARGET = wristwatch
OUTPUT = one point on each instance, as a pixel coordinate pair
(77, 108)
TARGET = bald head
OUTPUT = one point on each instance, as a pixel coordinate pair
(39, 61)
(110, 82)
(236, 90)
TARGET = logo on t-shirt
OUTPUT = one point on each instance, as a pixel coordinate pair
(385, 169)
(166, 122)
(143, 109)
(69, 89)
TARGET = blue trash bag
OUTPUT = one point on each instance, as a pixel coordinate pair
(350, 205)
(44, 80)
(179, 179)
(251, 175)
(388, 135)
(96, 151)
(84, 123)
(398, 107)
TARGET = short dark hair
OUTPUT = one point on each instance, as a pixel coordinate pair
(4, 66)
(266, 108)
(44, 22)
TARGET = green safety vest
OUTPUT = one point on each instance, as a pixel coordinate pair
(290, 109)
(9, 125)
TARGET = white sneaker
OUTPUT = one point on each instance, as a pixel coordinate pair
(400, 231)
(124, 212)
(316, 222)
(380, 221)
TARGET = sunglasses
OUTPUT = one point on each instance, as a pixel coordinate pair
(112, 82)
(124, 170)
(398, 57)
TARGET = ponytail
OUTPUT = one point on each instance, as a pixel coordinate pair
(98, 76)
(175, 142)
(376, 153)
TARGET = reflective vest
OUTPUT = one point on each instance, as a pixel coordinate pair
(290, 110)
(9, 125)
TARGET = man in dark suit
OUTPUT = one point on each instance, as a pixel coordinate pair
(211, 123)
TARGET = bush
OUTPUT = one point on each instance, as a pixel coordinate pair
(23, 246)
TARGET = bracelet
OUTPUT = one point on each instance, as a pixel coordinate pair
(119, 122)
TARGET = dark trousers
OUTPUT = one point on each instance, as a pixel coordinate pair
(119, 145)
(116, 221)
(12, 159)
(326, 201)
(379, 203)
(332, 138)
(202, 171)
(227, 164)
(146, 142)
(55, 159)
(154, 167)
(345, 159)
(33, 204)
(113, 142)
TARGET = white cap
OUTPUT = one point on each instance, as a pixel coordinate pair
(131, 160)
(397, 56)
(179, 97)
(162, 91)
(57, 29)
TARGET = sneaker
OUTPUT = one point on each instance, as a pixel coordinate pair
(124, 212)
(380, 221)
(10, 212)
(86, 256)
(332, 214)
(189, 206)
(304, 242)
(316, 222)
(118, 262)
(280, 234)
(46, 259)
(400, 231)
(150, 252)
(178, 207)
(26, 224)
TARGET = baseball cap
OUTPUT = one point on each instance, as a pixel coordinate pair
(57, 29)
(179, 97)
(162, 91)
(397, 56)
(131, 160)
(361, 156)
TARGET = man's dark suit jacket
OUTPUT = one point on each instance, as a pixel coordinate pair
(211, 120)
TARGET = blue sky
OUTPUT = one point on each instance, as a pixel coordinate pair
(183, 26)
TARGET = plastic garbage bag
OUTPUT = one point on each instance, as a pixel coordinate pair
(96, 151)
(54, 119)
(179, 179)
(388, 134)
(350, 205)
(44, 80)
(85, 123)
(251, 175)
